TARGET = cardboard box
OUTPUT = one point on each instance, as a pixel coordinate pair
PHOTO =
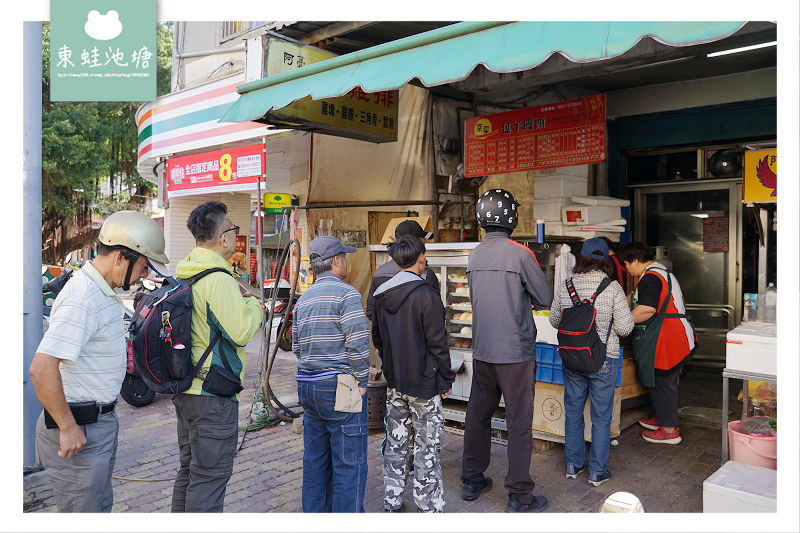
(388, 235)
(548, 411)
(630, 386)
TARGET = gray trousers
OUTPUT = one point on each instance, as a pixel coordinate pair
(420, 419)
(82, 483)
(207, 437)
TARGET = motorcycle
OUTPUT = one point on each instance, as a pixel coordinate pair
(282, 309)
(134, 390)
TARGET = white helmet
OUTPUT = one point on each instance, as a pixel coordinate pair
(140, 234)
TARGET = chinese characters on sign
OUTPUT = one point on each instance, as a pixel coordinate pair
(554, 135)
(761, 176)
(715, 234)
(103, 51)
(234, 169)
(357, 114)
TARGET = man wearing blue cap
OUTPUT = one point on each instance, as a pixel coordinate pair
(331, 342)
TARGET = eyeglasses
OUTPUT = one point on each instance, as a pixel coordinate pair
(235, 229)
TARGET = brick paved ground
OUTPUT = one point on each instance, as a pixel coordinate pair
(268, 468)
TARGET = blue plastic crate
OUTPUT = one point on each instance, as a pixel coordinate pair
(549, 373)
(547, 353)
(549, 366)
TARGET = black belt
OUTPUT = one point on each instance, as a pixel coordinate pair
(106, 408)
(83, 412)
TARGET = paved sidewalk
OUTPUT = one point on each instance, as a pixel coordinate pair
(268, 468)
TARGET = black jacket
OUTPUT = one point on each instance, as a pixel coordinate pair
(385, 272)
(409, 333)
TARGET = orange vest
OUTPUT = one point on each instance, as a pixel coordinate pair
(677, 338)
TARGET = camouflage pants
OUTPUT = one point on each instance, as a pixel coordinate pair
(423, 418)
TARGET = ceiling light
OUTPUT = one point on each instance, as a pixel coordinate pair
(743, 49)
(700, 215)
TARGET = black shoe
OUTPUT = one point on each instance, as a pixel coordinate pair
(597, 480)
(472, 490)
(538, 504)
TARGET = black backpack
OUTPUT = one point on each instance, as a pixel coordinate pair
(579, 345)
(161, 332)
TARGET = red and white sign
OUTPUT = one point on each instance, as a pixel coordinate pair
(232, 169)
(553, 135)
(715, 234)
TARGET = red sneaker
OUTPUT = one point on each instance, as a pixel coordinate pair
(660, 436)
(650, 423)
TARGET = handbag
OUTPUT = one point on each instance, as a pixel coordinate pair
(348, 397)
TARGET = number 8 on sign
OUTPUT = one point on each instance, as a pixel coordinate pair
(225, 172)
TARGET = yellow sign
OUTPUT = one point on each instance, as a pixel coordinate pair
(358, 115)
(274, 203)
(761, 176)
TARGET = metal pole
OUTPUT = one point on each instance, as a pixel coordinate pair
(31, 228)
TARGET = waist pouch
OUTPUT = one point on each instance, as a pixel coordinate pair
(83, 412)
(221, 382)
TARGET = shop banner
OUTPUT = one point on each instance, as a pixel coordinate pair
(761, 176)
(562, 134)
(232, 169)
(358, 115)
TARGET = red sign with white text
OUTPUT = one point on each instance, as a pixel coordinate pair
(232, 169)
(562, 134)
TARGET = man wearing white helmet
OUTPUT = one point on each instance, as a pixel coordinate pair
(504, 282)
(80, 363)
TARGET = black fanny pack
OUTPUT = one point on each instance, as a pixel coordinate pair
(83, 412)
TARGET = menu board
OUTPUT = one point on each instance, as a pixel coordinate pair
(561, 134)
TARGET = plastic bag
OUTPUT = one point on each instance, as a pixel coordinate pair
(758, 426)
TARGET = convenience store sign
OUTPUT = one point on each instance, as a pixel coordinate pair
(233, 169)
(561, 134)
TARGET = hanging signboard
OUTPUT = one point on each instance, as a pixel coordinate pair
(761, 176)
(562, 134)
(276, 203)
(357, 115)
(232, 169)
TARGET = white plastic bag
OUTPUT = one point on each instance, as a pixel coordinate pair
(565, 261)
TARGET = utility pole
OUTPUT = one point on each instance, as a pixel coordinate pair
(32, 228)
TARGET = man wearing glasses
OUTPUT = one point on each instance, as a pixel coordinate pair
(208, 411)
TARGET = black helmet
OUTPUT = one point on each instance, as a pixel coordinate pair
(497, 207)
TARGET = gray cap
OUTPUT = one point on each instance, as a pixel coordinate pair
(326, 247)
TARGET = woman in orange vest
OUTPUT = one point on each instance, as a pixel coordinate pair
(663, 339)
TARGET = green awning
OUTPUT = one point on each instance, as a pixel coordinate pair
(449, 54)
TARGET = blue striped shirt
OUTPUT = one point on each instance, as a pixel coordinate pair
(330, 331)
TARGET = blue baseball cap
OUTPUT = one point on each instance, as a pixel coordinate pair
(325, 247)
(595, 248)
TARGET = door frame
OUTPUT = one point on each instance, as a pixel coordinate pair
(734, 187)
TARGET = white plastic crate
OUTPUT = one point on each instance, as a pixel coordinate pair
(549, 209)
(589, 214)
(559, 186)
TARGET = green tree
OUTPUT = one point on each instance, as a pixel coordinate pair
(83, 145)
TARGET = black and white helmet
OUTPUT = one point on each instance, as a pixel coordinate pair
(497, 207)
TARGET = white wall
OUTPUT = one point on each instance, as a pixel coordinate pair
(179, 239)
